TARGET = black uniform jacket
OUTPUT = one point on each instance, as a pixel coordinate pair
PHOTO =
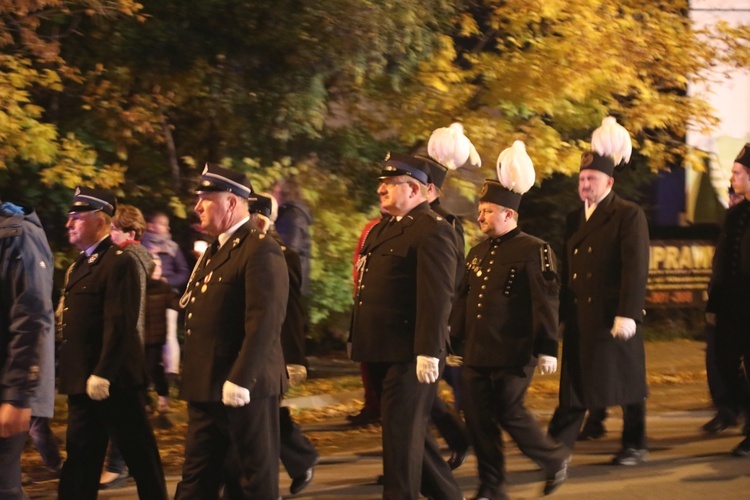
(730, 282)
(606, 271)
(405, 290)
(233, 319)
(102, 299)
(506, 310)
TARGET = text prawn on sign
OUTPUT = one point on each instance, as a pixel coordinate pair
(679, 273)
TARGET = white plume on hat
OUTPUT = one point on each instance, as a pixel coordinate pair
(613, 140)
(515, 169)
(450, 147)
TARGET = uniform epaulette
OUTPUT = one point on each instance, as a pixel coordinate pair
(547, 261)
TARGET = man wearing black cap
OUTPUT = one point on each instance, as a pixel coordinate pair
(729, 296)
(505, 318)
(448, 423)
(233, 365)
(605, 271)
(400, 326)
(298, 455)
(102, 365)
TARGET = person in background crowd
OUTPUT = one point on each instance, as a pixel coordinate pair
(605, 271)
(728, 299)
(399, 326)
(234, 369)
(160, 299)
(293, 225)
(727, 413)
(506, 316)
(102, 365)
(158, 240)
(27, 384)
(370, 412)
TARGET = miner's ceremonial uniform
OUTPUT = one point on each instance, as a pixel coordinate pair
(235, 304)
(728, 300)
(504, 319)
(605, 276)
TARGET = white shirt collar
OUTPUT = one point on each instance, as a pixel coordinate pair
(223, 237)
(91, 249)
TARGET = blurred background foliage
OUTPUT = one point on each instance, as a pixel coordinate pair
(136, 95)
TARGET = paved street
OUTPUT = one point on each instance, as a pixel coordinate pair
(683, 463)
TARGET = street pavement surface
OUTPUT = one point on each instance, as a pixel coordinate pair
(683, 462)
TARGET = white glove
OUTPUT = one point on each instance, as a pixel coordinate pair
(547, 364)
(97, 388)
(297, 374)
(623, 328)
(427, 369)
(234, 395)
(711, 319)
(454, 360)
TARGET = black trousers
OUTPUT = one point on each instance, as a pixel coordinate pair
(566, 425)
(248, 436)
(411, 459)
(494, 399)
(11, 448)
(449, 425)
(90, 424)
(297, 452)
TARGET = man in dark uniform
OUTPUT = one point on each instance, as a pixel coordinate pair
(26, 335)
(102, 365)
(234, 368)
(729, 297)
(505, 317)
(450, 425)
(605, 273)
(400, 326)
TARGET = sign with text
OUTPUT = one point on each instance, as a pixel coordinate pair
(679, 272)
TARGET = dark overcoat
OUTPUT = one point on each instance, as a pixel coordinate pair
(507, 308)
(233, 319)
(406, 284)
(606, 271)
(102, 299)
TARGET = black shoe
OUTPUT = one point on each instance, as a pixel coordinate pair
(120, 480)
(364, 417)
(719, 423)
(630, 456)
(458, 457)
(742, 449)
(299, 483)
(591, 433)
(554, 481)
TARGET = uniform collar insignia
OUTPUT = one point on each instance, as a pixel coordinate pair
(235, 242)
(93, 258)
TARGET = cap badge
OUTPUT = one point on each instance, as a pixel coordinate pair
(387, 156)
(485, 188)
(390, 168)
(586, 159)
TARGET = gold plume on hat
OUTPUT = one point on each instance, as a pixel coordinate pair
(450, 147)
(515, 169)
(613, 140)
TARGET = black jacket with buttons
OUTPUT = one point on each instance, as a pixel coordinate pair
(605, 271)
(102, 299)
(405, 290)
(506, 311)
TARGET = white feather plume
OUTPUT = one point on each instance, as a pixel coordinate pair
(515, 169)
(449, 146)
(613, 140)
